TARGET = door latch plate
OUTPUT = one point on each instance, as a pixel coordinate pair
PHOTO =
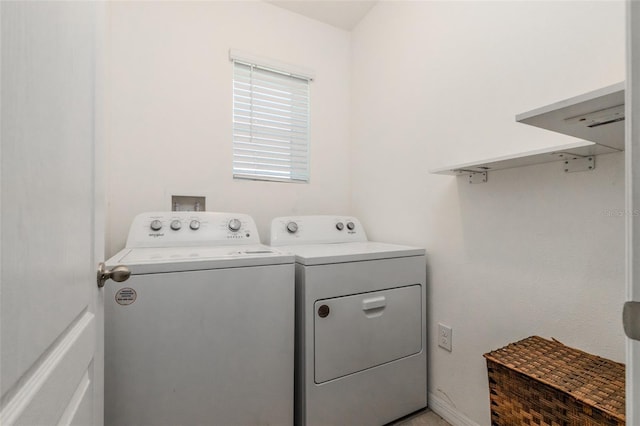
(631, 320)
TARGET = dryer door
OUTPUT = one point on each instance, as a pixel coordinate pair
(357, 332)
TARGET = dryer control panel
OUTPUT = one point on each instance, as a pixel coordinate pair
(181, 229)
(290, 230)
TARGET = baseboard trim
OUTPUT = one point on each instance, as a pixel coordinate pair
(448, 412)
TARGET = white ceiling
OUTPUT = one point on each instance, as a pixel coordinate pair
(343, 14)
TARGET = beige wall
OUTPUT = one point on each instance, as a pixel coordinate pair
(169, 97)
(534, 251)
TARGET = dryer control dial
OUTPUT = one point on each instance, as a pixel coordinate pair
(195, 225)
(292, 227)
(176, 225)
(351, 226)
(339, 226)
(234, 225)
(155, 225)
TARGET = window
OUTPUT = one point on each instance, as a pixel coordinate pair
(270, 122)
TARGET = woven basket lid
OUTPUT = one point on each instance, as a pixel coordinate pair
(595, 381)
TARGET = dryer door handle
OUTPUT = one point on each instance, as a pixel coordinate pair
(374, 303)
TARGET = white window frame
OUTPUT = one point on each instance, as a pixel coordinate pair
(271, 119)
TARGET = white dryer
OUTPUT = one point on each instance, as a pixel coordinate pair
(202, 332)
(360, 322)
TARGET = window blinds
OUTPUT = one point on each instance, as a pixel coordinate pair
(270, 124)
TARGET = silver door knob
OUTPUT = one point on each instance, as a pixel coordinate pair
(118, 273)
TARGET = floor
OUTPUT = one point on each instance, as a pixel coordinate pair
(421, 418)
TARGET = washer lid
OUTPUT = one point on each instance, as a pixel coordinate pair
(177, 259)
(320, 254)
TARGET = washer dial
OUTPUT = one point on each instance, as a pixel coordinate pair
(155, 225)
(195, 225)
(234, 225)
(176, 224)
(351, 226)
(292, 227)
(339, 226)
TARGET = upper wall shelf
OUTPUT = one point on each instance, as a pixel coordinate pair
(597, 117)
(572, 153)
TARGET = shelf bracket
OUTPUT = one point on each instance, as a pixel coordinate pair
(576, 163)
(474, 176)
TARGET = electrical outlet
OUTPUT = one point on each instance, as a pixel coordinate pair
(444, 336)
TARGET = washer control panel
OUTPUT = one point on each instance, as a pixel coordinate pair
(173, 229)
(289, 230)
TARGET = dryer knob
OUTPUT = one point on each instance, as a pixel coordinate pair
(195, 225)
(292, 227)
(339, 226)
(176, 225)
(156, 225)
(234, 225)
(351, 226)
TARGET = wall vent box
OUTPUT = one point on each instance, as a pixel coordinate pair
(187, 203)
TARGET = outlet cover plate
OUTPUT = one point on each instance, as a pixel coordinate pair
(445, 335)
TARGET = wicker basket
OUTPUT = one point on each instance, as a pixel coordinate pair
(543, 382)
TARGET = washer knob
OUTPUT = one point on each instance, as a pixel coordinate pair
(339, 226)
(234, 225)
(195, 225)
(350, 226)
(176, 225)
(156, 225)
(292, 227)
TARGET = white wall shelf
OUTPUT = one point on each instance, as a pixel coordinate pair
(597, 117)
(568, 152)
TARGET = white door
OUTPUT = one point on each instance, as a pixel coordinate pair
(632, 153)
(51, 363)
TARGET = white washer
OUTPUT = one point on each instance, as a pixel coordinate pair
(360, 322)
(202, 332)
